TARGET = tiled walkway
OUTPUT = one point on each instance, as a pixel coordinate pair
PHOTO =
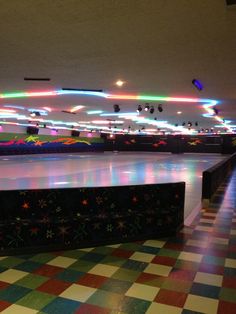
(195, 272)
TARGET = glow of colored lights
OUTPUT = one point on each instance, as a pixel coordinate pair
(208, 103)
(107, 122)
(119, 114)
(179, 112)
(94, 112)
(14, 106)
(120, 83)
(76, 108)
(47, 108)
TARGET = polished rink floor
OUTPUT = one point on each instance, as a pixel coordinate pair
(107, 169)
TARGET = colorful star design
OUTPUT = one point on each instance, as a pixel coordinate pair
(26, 205)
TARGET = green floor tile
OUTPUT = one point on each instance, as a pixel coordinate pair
(31, 281)
(228, 294)
(43, 257)
(103, 250)
(36, 300)
(135, 306)
(169, 253)
(109, 299)
(116, 286)
(82, 266)
(11, 261)
(113, 260)
(186, 265)
(177, 285)
(74, 254)
(130, 246)
(209, 259)
(126, 274)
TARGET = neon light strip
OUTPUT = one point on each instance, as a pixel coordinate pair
(208, 103)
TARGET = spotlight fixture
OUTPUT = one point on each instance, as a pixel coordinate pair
(155, 118)
(116, 108)
(183, 124)
(189, 124)
(197, 84)
(146, 107)
(139, 108)
(152, 110)
(196, 123)
(160, 109)
(216, 111)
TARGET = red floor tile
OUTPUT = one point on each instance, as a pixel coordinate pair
(145, 277)
(164, 260)
(174, 246)
(226, 307)
(211, 269)
(4, 305)
(122, 253)
(90, 280)
(171, 298)
(91, 309)
(229, 282)
(48, 270)
(3, 285)
(181, 274)
(54, 286)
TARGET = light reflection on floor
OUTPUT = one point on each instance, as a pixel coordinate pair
(76, 170)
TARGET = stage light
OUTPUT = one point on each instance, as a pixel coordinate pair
(183, 124)
(116, 108)
(146, 107)
(197, 84)
(139, 108)
(196, 123)
(160, 109)
(216, 111)
(152, 110)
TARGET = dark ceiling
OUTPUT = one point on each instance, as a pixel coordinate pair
(157, 47)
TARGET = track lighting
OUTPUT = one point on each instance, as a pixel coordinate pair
(147, 107)
(160, 109)
(139, 108)
(152, 110)
(116, 108)
(216, 111)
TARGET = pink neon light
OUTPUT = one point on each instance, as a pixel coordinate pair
(182, 99)
(122, 97)
(47, 108)
(38, 94)
(7, 110)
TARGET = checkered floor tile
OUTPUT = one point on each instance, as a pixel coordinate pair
(193, 272)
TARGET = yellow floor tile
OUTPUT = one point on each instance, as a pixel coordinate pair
(2, 257)
(157, 308)
(203, 228)
(230, 262)
(155, 243)
(115, 246)
(18, 309)
(220, 241)
(201, 304)
(208, 279)
(78, 293)
(193, 257)
(88, 249)
(104, 270)
(62, 261)
(142, 257)
(197, 243)
(12, 275)
(156, 269)
(143, 292)
(208, 221)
